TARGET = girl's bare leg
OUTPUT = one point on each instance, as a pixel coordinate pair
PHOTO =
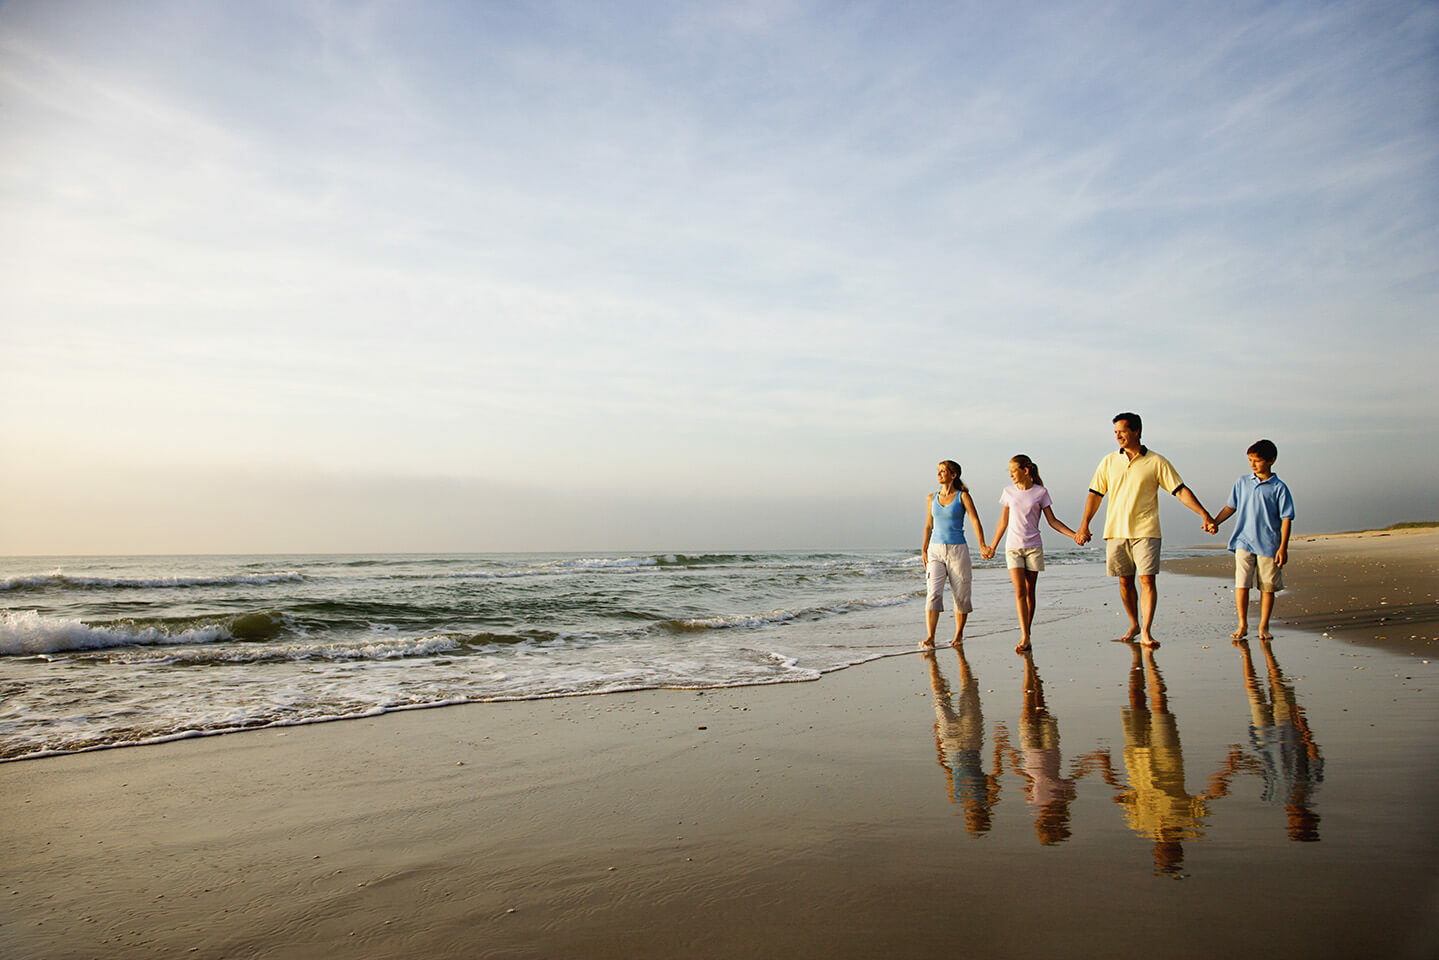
(1022, 605)
(1031, 580)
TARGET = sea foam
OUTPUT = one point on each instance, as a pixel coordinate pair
(28, 633)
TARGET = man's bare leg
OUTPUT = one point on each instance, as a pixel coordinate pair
(1130, 598)
(1148, 601)
(932, 621)
(959, 618)
(1241, 606)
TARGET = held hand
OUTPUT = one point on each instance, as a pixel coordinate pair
(1078, 539)
(1210, 527)
(1083, 536)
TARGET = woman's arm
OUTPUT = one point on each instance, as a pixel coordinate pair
(928, 529)
(973, 515)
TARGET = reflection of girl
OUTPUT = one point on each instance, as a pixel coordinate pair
(1022, 503)
(945, 554)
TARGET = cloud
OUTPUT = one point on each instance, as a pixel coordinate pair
(756, 244)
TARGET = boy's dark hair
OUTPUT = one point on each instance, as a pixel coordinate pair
(1132, 419)
(1265, 449)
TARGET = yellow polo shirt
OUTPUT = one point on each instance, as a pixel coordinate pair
(1133, 490)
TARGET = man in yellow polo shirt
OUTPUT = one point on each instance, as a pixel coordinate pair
(1132, 477)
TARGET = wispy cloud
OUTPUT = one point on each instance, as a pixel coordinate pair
(484, 239)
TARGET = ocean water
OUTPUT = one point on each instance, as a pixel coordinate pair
(107, 651)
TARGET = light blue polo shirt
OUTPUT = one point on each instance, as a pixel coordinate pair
(1259, 506)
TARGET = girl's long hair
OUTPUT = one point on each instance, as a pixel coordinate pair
(1028, 466)
(954, 468)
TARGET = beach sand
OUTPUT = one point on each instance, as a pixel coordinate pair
(1376, 587)
(910, 807)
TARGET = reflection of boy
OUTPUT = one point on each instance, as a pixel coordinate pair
(1261, 535)
(1291, 764)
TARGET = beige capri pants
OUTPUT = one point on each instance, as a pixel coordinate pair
(948, 562)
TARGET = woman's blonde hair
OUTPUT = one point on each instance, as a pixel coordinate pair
(954, 468)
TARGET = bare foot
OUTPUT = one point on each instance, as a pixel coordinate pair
(1240, 633)
(1265, 634)
(927, 644)
(1149, 642)
(958, 640)
(1130, 634)
(1022, 646)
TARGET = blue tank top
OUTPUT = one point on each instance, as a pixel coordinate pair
(948, 521)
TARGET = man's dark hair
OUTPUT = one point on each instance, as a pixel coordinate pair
(1265, 449)
(1132, 419)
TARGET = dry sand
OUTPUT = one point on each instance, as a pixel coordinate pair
(1376, 587)
(797, 821)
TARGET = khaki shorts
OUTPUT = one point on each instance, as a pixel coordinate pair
(1129, 558)
(1025, 558)
(948, 563)
(1251, 566)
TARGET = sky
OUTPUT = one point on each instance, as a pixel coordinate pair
(321, 276)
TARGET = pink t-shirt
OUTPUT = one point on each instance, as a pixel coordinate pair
(1025, 506)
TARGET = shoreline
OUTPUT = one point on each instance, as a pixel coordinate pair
(1372, 587)
(892, 808)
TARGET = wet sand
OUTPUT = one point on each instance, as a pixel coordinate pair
(1209, 800)
(1377, 587)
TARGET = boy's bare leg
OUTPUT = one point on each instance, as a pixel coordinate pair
(1266, 607)
(959, 617)
(1130, 598)
(1021, 606)
(1241, 606)
(1148, 601)
(932, 621)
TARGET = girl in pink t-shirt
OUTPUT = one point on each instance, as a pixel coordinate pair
(1024, 550)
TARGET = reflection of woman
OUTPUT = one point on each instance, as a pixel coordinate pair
(944, 553)
(959, 744)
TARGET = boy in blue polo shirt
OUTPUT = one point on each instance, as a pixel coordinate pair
(1261, 535)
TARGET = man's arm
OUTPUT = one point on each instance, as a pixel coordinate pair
(1091, 507)
(1186, 496)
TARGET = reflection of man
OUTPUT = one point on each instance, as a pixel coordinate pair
(1157, 805)
(959, 743)
(1279, 734)
(1132, 477)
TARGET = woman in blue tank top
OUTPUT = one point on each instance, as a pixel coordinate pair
(944, 554)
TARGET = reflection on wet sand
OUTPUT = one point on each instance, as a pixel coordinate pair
(1038, 761)
(959, 744)
(1287, 757)
(1156, 802)
(1152, 793)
